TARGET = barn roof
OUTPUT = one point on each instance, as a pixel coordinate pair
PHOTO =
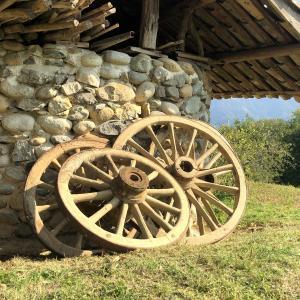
(248, 47)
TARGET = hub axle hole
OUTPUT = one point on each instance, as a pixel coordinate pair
(186, 166)
(135, 177)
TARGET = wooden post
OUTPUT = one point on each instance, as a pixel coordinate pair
(149, 24)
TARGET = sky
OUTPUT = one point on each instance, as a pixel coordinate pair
(226, 111)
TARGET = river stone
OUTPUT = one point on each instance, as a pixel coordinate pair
(172, 92)
(186, 67)
(116, 91)
(160, 91)
(12, 46)
(38, 140)
(144, 92)
(84, 127)
(59, 105)
(6, 188)
(54, 125)
(23, 151)
(35, 77)
(4, 160)
(155, 104)
(88, 76)
(169, 108)
(16, 173)
(13, 89)
(17, 123)
(141, 63)
(71, 88)
(115, 57)
(31, 105)
(193, 105)
(186, 91)
(197, 88)
(57, 52)
(8, 216)
(13, 59)
(60, 139)
(128, 111)
(181, 79)
(157, 63)
(109, 71)
(105, 114)
(113, 127)
(137, 78)
(170, 65)
(161, 74)
(46, 92)
(156, 113)
(4, 103)
(78, 113)
(40, 150)
(85, 99)
(4, 149)
(23, 231)
(91, 60)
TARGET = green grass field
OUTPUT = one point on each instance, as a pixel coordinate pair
(261, 260)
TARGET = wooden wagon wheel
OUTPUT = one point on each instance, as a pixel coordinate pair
(40, 200)
(204, 164)
(141, 207)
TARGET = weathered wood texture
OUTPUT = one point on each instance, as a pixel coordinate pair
(149, 24)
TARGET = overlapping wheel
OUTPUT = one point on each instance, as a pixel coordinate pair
(139, 204)
(204, 164)
(47, 219)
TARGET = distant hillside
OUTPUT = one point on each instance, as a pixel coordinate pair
(227, 111)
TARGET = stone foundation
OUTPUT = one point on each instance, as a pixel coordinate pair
(51, 95)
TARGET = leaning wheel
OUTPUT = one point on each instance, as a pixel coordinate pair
(141, 206)
(40, 201)
(204, 164)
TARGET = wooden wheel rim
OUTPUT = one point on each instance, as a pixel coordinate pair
(208, 132)
(110, 239)
(31, 208)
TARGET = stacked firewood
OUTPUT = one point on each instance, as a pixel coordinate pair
(58, 21)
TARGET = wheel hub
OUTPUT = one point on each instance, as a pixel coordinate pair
(130, 185)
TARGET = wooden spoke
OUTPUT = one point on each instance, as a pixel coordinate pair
(215, 170)
(96, 196)
(147, 209)
(161, 192)
(141, 222)
(212, 199)
(104, 210)
(192, 142)
(207, 154)
(112, 165)
(159, 146)
(168, 215)
(42, 208)
(153, 175)
(142, 151)
(102, 175)
(219, 187)
(213, 160)
(133, 163)
(47, 186)
(77, 150)
(200, 211)
(161, 205)
(222, 173)
(131, 233)
(79, 241)
(89, 182)
(56, 164)
(59, 227)
(210, 211)
(200, 224)
(122, 219)
(173, 141)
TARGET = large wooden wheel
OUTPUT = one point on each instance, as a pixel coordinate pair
(40, 201)
(139, 204)
(204, 164)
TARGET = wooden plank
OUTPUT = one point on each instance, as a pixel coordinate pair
(255, 54)
(260, 93)
(149, 24)
(287, 13)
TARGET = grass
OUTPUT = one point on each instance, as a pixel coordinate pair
(261, 260)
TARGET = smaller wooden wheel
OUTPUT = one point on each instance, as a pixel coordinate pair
(204, 164)
(40, 201)
(139, 204)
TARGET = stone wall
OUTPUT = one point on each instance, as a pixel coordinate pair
(51, 95)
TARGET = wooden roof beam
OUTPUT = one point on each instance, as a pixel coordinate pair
(255, 54)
